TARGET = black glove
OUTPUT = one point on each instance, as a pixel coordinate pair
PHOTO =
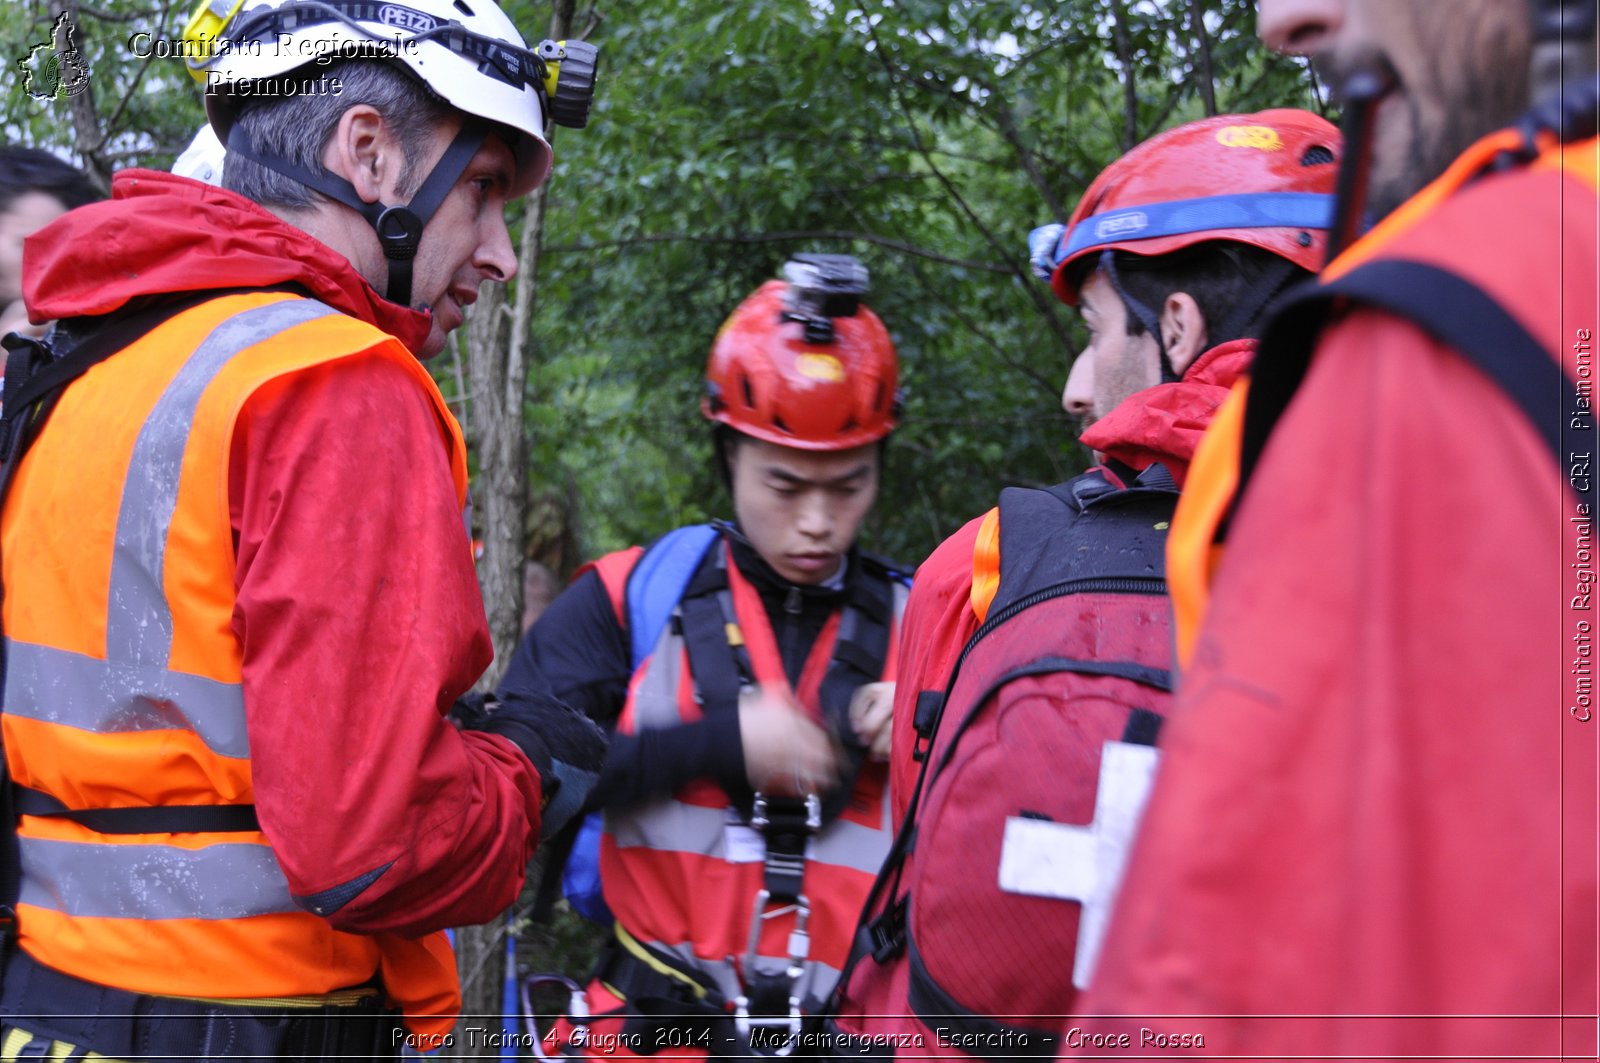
(566, 746)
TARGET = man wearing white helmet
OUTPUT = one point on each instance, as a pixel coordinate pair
(243, 814)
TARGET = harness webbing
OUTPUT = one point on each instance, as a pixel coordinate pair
(1448, 307)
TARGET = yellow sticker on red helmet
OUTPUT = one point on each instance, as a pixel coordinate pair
(820, 367)
(1260, 137)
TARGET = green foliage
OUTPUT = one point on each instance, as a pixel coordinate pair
(925, 136)
(144, 109)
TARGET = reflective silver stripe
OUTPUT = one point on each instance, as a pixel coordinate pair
(232, 880)
(671, 826)
(107, 697)
(655, 701)
(138, 619)
(815, 984)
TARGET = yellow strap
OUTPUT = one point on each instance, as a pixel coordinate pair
(339, 998)
(17, 1039)
(644, 956)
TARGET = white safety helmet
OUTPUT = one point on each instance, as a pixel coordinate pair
(202, 160)
(467, 52)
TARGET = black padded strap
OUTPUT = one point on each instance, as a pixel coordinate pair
(859, 652)
(713, 663)
(1448, 307)
(787, 830)
(632, 978)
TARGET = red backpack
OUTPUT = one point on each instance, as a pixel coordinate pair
(1036, 764)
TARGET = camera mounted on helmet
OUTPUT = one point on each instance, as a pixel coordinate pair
(821, 288)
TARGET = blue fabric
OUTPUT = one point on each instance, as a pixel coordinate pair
(1254, 210)
(658, 581)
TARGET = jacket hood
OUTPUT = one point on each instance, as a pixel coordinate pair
(1164, 423)
(159, 234)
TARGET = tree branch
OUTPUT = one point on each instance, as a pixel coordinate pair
(1016, 263)
(780, 237)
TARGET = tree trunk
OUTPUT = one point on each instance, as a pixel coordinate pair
(497, 369)
(499, 495)
(1208, 77)
(1130, 83)
(87, 137)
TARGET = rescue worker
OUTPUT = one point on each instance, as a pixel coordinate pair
(239, 598)
(36, 188)
(1171, 257)
(1374, 832)
(744, 818)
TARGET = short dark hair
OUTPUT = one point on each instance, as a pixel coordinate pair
(24, 170)
(1217, 274)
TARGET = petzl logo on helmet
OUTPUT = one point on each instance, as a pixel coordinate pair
(820, 367)
(1260, 137)
(1129, 221)
(406, 18)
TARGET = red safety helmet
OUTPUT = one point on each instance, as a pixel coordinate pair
(1264, 179)
(814, 374)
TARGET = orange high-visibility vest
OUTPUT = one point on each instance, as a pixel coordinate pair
(681, 874)
(123, 681)
(1195, 545)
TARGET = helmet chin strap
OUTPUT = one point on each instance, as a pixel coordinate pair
(399, 228)
(1146, 316)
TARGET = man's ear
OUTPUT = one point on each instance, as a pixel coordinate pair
(1183, 330)
(363, 152)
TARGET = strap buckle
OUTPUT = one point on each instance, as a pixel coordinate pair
(799, 950)
(577, 1014)
(761, 820)
(744, 1022)
(885, 936)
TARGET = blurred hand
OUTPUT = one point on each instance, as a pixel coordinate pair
(785, 754)
(872, 716)
(567, 748)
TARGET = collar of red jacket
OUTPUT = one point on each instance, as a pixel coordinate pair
(1165, 423)
(160, 234)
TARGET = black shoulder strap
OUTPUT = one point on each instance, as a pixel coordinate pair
(1448, 307)
(705, 612)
